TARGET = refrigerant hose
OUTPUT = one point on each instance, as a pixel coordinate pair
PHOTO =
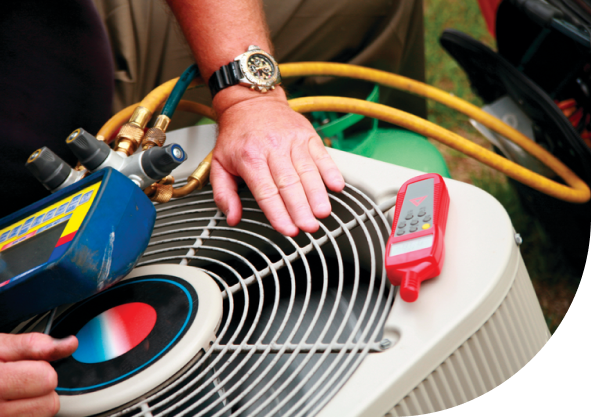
(576, 191)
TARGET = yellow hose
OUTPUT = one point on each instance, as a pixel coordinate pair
(578, 192)
(158, 95)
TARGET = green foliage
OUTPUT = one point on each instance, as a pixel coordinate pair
(442, 71)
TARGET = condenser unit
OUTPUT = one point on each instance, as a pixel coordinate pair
(311, 325)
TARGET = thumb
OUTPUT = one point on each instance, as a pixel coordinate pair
(35, 346)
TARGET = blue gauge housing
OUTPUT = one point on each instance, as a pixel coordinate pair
(72, 244)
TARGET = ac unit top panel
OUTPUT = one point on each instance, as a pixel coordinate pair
(481, 262)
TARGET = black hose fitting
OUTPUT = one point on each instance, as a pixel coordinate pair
(90, 151)
(49, 169)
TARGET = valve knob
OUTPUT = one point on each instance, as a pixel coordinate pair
(49, 169)
(90, 151)
(158, 162)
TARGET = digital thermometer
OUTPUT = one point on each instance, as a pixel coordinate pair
(72, 244)
(415, 249)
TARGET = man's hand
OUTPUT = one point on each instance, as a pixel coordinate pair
(280, 157)
(27, 380)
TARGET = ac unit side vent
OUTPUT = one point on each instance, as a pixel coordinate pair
(500, 348)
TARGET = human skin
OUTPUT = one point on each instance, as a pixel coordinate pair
(27, 380)
(261, 140)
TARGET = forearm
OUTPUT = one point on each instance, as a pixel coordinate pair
(217, 32)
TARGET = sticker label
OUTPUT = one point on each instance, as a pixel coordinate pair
(72, 209)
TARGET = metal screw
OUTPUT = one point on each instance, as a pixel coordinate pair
(518, 239)
(178, 154)
(385, 344)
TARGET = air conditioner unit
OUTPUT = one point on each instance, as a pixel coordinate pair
(311, 325)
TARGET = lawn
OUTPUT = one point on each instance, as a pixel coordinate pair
(554, 281)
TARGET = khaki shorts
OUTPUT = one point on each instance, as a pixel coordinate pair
(149, 48)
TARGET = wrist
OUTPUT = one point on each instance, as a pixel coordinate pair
(237, 94)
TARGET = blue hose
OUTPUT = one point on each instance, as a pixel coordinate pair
(179, 89)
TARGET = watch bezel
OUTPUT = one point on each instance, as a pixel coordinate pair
(249, 79)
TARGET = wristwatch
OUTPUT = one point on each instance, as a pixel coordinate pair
(255, 69)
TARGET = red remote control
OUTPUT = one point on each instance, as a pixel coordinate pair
(415, 249)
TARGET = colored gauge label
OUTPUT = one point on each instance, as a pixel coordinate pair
(114, 332)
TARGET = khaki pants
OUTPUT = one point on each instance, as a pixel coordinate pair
(149, 48)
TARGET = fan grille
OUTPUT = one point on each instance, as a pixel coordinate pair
(300, 314)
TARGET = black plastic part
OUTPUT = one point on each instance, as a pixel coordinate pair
(226, 76)
(49, 169)
(158, 162)
(538, 11)
(90, 151)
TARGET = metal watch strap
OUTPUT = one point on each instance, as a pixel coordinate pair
(226, 76)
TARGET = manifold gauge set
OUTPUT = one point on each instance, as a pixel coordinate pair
(179, 314)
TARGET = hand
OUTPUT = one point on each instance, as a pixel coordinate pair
(27, 380)
(280, 157)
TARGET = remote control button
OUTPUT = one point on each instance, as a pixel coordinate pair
(426, 226)
(421, 213)
(402, 225)
(427, 218)
(409, 216)
(413, 229)
(414, 222)
(400, 233)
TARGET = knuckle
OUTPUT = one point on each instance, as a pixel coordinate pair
(323, 156)
(251, 154)
(47, 374)
(307, 167)
(287, 180)
(222, 199)
(32, 344)
(53, 403)
(266, 192)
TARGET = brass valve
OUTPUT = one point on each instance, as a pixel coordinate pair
(155, 136)
(131, 133)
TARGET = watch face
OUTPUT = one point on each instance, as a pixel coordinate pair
(260, 67)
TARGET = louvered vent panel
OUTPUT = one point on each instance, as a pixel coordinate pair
(501, 347)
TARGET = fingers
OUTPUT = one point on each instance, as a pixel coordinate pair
(35, 346)
(26, 379)
(263, 186)
(225, 193)
(288, 181)
(328, 169)
(287, 185)
(45, 406)
(311, 180)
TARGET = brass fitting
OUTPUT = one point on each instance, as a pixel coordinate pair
(161, 193)
(162, 122)
(201, 174)
(155, 136)
(169, 179)
(197, 179)
(131, 133)
(140, 117)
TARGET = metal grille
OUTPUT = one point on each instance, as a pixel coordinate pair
(300, 314)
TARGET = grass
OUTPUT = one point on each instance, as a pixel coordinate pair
(554, 281)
